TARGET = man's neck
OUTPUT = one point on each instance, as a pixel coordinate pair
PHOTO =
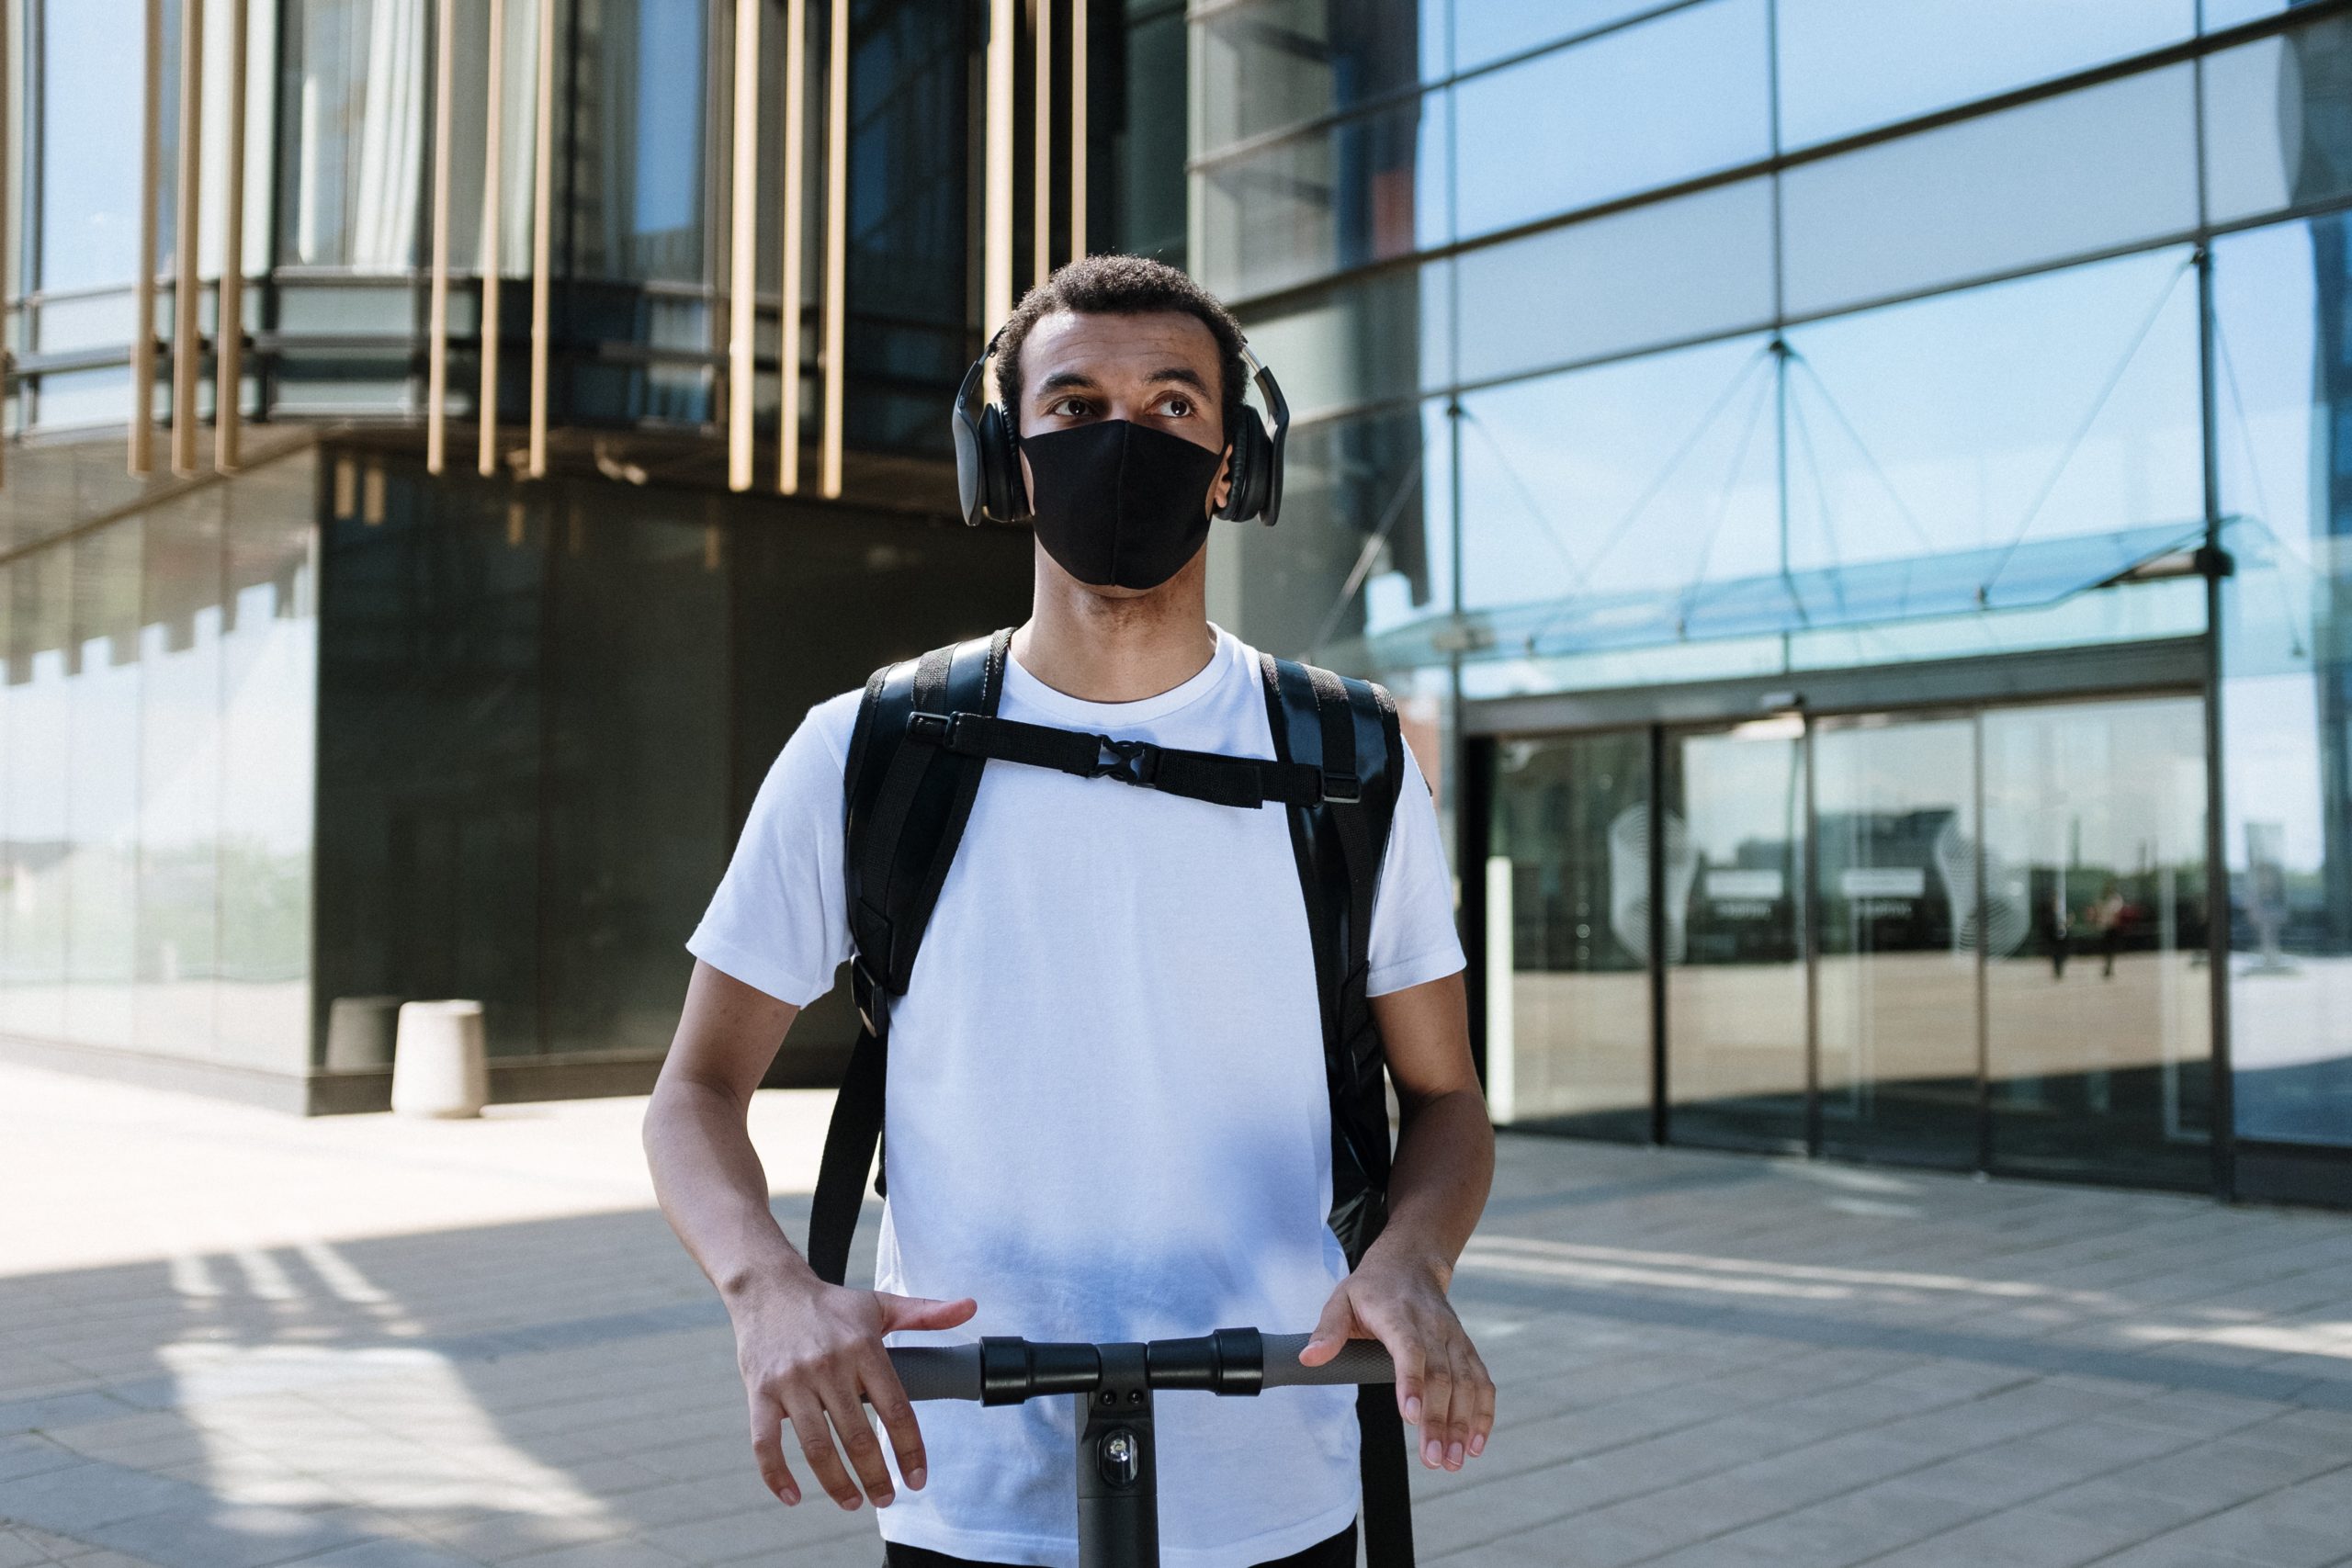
(1116, 651)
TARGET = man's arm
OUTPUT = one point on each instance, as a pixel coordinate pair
(1445, 1162)
(809, 1351)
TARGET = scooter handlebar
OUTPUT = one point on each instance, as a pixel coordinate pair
(956, 1372)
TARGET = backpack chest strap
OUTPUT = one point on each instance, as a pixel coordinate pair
(1210, 776)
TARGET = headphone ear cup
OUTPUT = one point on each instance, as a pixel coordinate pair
(1246, 494)
(1006, 495)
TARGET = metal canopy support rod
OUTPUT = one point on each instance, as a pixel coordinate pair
(742, 298)
(8, 361)
(436, 347)
(493, 162)
(795, 196)
(542, 234)
(142, 326)
(1041, 225)
(996, 238)
(229, 307)
(1078, 62)
(187, 292)
(836, 238)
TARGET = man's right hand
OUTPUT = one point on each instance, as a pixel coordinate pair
(812, 1354)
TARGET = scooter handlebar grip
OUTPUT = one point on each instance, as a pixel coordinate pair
(938, 1371)
(1359, 1360)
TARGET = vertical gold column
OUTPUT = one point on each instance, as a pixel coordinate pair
(1077, 63)
(7, 294)
(742, 297)
(996, 232)
(142, 296)
(1041, 227)
(795, 111)
(188, 291)
(229, 332)
(493, 138)
(836, 239)
(436, 331)
(542, 235)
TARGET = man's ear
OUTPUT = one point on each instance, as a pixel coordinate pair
(1221, 488)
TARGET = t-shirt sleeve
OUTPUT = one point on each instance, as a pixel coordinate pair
(1414, 940)
(777, 923)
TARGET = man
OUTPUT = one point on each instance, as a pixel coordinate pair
(1107, 1112)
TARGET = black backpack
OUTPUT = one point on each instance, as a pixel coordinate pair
(926, 730)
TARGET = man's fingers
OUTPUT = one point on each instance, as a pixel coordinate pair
(767, 1448)
(891, 1403)
(1482, 1419)
(921, 1311)
(807, 1412)
(1437, 1404)
(856, 1435)
(1331, 1330)
(1406, 1352)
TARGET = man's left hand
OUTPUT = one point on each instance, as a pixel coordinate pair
(1441, 1386)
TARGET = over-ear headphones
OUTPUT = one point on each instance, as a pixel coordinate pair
(987, 450)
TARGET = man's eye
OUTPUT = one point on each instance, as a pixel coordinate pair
(1069, 408)
(1178, 407)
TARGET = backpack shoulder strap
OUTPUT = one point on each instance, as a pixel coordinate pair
(905, 800)
(1349, 730)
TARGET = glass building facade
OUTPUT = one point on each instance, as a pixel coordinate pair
(1849, 489)
(289, 737)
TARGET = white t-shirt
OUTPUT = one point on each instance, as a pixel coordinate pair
(1107, 1118)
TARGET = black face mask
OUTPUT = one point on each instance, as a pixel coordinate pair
(1119, 503)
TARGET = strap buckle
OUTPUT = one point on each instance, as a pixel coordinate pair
(1342, 789)
(1129, 761)
(936, 728)
(873, 999)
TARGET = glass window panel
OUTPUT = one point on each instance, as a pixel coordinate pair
(71, 399)
(2276, 113)
(1847, 66)
(2098, 1011)
(269, 749)
(1694, 82)
(1150, 189)
(2219, 14)
(2093, 170)
(1568, 899)
(2280, 323)
(1911, 432)
(1378, 338)
(1486, 31)
(35, 777)
(179, 776)
(357, 83)
(1337, 196)
(1648, 474)
(102, 782)
(1736, 978)
(89, 153)
(642, 134)
(635, 797)
(1679, 270)
(1269, 65)
(1364, 543)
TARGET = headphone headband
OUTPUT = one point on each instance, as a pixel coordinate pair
(988, 455)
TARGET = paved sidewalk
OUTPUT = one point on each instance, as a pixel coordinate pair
(230, 1339)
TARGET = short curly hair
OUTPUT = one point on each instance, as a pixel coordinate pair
(1112, 284)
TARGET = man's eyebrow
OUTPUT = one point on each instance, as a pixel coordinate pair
(1182, 373)
(1061, 381)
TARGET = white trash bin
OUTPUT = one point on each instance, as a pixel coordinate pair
(439, 1067)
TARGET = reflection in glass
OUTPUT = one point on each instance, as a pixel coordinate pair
(2279, 122)
(1736, 983)
(1486, 31)
(1847, 66)
(1896, 867)
(1569, 880)
(179, 776)
(1911, 431)
(1363, 190)
(2098, 1011)
(1280, 62)
(34, 776)
(1372, 339)
(102, 784)
(642, 134)
(356, 87)
(2096, 169)
(1694, 81)
(2280, 330)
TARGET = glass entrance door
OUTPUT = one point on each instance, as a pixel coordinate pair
(1735, 936)
(1895, 863)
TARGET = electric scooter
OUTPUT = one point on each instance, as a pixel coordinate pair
(1118, 1471)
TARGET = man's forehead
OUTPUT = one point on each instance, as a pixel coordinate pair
(1081, 341)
